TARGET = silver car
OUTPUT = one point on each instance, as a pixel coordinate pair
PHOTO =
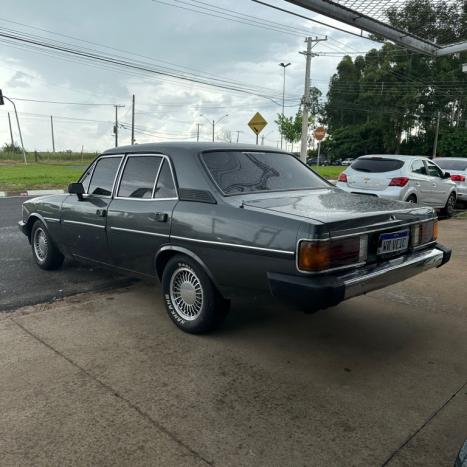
(457, 167)
(415, 179)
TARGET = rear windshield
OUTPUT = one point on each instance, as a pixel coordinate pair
(238, 172)
(452, 165)
(377, 165)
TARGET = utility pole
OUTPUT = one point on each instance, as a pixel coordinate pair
(435, 145)
(116, 123)
(238, 135)
(133, 120)
(197, 131)
(213, 127)
(284, 66)
(11, 131)
(306, 98)
(52, 129)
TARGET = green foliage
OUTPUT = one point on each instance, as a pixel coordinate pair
(290, 127)
(12, 148)
(453, 142)
(354, 141)
(398, 93)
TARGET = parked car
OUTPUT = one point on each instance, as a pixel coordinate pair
(209, 220)
(415, 179)
(457, 167)
(347, 162)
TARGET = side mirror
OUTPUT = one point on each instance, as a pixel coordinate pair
(76, 189)
(447, 175)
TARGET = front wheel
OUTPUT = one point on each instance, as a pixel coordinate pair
(448, 210)
(192, 301)
(46, 254)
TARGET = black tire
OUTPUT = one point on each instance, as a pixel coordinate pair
(46, 254)
(192, 301)
(411, 199)
(448, 210)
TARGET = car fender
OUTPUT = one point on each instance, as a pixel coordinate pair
(32, 217)
(163, 255)
(412, 191)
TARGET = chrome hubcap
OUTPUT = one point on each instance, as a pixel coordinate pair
(186, 293)
(40, 244)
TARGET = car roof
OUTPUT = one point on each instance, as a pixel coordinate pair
(393, 156)
(187, 146)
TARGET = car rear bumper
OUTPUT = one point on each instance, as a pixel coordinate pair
(314, 293)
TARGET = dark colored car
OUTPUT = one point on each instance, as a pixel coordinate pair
(209, 220)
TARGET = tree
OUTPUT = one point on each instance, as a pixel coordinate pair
(14, 148)
(290, 127)
(401, 92)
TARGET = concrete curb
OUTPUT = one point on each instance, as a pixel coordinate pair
(9, 194)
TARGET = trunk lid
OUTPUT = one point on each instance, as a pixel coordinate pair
(338, 210)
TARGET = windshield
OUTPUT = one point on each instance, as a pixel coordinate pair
(377, 165)
(452, 165)
(238, 172)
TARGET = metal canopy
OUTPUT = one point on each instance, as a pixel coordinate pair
(372, 16)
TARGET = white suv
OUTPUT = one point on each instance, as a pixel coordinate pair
(414, 179)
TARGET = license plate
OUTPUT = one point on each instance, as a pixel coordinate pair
(393, 242)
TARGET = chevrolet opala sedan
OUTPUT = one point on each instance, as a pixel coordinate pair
(210, 221)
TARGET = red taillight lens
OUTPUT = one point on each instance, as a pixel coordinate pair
(457, 178)
(399, 181)
(342, 178)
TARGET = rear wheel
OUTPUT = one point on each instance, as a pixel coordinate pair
(448, 210)
(192, 301)
(412, 199)
(46, 254)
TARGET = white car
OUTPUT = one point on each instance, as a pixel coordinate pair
(347, 162)
(457, 167)
(415, 179)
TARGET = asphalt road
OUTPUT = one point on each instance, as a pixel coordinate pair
(23, 283)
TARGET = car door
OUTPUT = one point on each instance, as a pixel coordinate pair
(84, 221)
(139, 217)
(421, 182)
(440, 187)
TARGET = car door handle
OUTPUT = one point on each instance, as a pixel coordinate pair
(434, 184)
(101, 212)
(417, 184)
(161, 216)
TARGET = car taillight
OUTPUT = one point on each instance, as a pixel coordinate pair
(424, 233)
(342, 178)
(399, 181)
(457, 178)
(318, 256)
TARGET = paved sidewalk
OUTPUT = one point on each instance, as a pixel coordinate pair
(106, 379)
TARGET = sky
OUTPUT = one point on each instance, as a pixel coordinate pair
(173, 38)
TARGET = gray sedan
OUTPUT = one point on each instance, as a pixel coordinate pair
(209, 220)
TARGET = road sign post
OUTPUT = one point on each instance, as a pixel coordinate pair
(319, 134)
(257, 124)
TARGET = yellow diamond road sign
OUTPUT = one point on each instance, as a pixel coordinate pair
(257, 123)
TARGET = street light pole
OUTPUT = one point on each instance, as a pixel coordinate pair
(284, 66)
(19, 129)
(214, 123)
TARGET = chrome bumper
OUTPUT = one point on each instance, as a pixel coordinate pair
(365, 280)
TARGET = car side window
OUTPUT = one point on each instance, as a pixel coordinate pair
(165, 187)
(104, 175)
(139, 176)
(86, 178)
(418, 167)
(433, 170)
